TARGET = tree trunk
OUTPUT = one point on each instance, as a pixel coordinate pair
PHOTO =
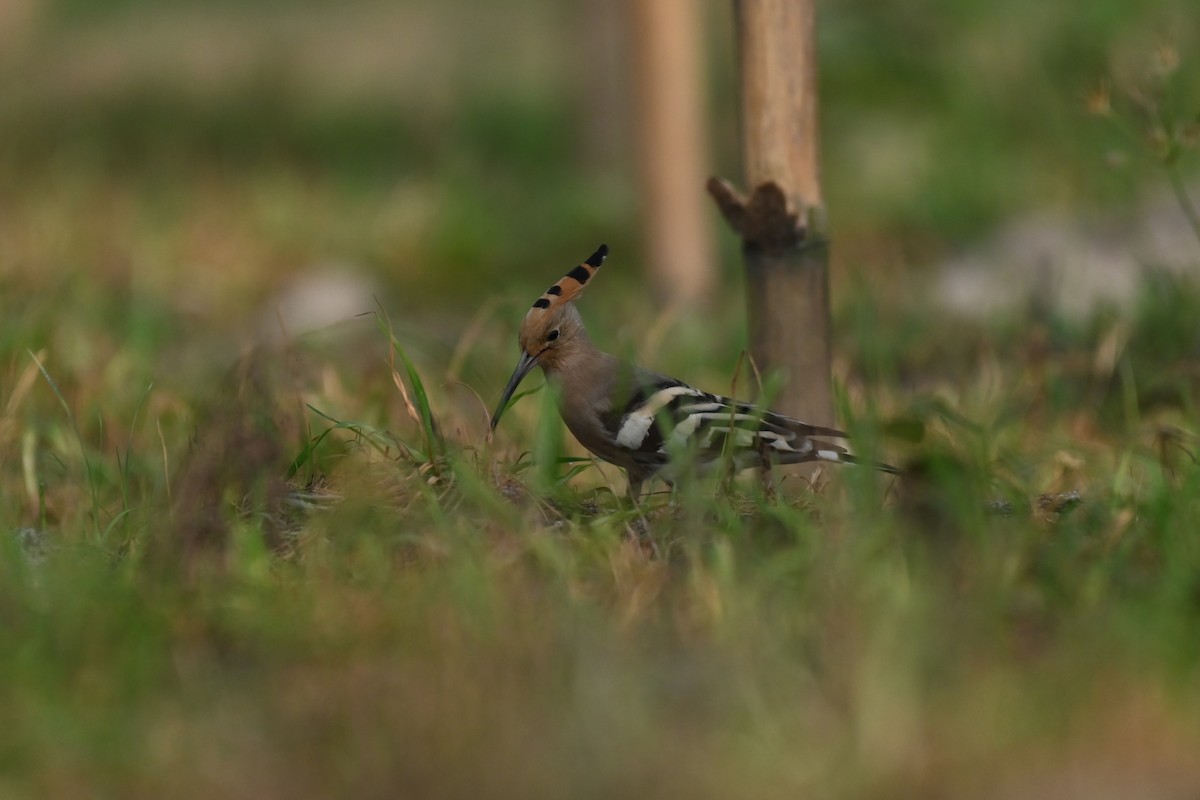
(672, 148)
(781, 221)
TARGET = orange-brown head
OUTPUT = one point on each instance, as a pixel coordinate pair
(552, 327)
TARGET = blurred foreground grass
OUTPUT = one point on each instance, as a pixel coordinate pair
(200, 594)
(430, 615)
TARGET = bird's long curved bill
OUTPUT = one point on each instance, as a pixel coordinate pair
(526, 364)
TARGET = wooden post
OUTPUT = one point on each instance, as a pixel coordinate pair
(672, 148)
(781, 221)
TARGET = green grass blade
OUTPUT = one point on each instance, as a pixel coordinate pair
(93, 488)
(433, 439)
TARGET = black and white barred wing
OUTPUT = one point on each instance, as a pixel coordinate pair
(667, 417)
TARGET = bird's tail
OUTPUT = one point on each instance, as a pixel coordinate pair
(838, 455)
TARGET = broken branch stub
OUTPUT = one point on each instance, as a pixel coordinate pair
(764, 220)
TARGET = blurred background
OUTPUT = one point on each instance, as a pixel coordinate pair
(191, 160)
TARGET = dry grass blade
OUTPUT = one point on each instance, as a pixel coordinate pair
(396, 379)
(93, 490)
(166, 465)
(417, 404)
(8, 419)
(467, 341)
(482, 405)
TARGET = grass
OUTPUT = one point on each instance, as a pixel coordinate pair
(387, 622)
(236, 568)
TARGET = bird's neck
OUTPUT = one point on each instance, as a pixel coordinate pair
(581, 371)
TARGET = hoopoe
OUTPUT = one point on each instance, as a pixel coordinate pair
(638, 419)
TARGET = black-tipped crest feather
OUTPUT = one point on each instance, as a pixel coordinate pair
(570, 285)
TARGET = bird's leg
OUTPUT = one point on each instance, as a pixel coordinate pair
(728, 473)
(639, 527)
(768, 479)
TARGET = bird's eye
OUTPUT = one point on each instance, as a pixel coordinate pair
(552, 335)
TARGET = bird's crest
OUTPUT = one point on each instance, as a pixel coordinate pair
(572, 284)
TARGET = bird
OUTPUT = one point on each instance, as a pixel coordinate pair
(644, 421)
